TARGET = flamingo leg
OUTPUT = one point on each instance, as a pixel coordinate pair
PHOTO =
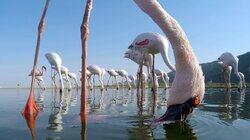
(69, 83)
(138, 78)
(101, 82)
(153, 73)
(117, 85)
(129, 86)
(108, 83)
(76, 83)
(38, 83)
(60, 78)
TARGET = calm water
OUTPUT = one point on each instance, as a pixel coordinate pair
(124, 115)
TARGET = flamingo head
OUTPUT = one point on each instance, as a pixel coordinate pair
(133, 55)
(180, 112)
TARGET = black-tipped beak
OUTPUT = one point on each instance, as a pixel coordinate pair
(177, 112)
(130, 47)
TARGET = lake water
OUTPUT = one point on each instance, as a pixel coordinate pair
(124, 114)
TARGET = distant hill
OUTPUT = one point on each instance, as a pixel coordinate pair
(213, 73)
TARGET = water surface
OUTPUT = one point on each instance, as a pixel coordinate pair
(124, 114)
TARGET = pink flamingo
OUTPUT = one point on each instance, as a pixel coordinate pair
(188, 87)
(38, 76)
(228, 59)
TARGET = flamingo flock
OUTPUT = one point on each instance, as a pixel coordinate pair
(186, 91)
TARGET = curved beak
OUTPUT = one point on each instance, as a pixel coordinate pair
(179, 112)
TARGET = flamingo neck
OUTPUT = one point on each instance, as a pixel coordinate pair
(189, 80)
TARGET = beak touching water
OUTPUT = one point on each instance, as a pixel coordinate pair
(179, 112)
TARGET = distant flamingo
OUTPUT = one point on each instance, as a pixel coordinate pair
(113, 73)
(188, 87)
(65, 72)
(133, 79)
(162, 75)
(227, 75)
(74, 78)
(39, 72)
(38, 76)
(95, 70)
(56, 63)
(228, 59)
(124, 74)
(88, 74)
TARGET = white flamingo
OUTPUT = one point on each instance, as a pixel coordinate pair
(155, 43)
(152, 43)
(74, 78)
(228, 59)
(226, 70)
(124, 74)
(65, 72)
(188, 87)
(114, 74)
(88, 78)
(55, 62)
(133, 79)
(164, 77)
(39, 76)
(95, 70)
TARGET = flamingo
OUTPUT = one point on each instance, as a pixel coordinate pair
(152, 43)
(164, 77)
(38, 76)
(74, 78)
(227, 75)
(95, 70)
(55, 62)
(133, 79)
(188, 87)
(228, 59)
(39, 72)
(65, 72)
(113, 73)
(155, 43)
(88, 73)
(124, 74)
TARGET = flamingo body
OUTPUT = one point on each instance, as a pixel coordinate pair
(55, 62)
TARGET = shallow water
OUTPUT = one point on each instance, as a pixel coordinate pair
(124, 115)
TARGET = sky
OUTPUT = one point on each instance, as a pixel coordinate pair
(212, 26)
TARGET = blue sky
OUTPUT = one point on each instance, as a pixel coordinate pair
(212, 26)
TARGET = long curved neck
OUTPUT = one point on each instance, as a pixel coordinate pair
(183, 52)
(187, 66)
